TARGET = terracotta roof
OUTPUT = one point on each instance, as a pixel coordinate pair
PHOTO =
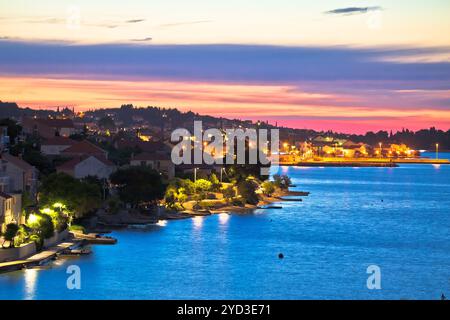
(5, 195)
(17, 162)
(151, 156)
(145, 146)
(59, 141)
(57, 123)
(84, 147)
(69, 165)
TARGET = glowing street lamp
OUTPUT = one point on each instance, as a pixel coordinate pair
(437, 150)
(381, 153)
(33, 218)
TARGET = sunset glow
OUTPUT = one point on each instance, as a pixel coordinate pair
(303, 65)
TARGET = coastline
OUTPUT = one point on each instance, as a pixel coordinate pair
(231, 209)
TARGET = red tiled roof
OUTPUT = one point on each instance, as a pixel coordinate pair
(59, 141)
(84, 147)
(150, 156)
(17, 162)
(57, 123)
(5, 195)
(145, 146)
(71, 164)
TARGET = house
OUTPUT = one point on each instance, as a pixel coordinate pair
(48, 128)
(56, 145)
(88, 165)
(156, 161)
(83, 148)
(22, 176)
(10, 209)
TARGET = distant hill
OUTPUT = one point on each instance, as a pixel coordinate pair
(12, 110)
(173, 118)
(9, 110)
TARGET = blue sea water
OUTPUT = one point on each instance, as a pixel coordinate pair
(395, 218)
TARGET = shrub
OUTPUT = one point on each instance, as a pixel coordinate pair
(113, 205)
(10, 233)
(202, 185)
(238, 202)
(268, 187)
(23, 235)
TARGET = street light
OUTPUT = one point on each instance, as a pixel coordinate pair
(195, 174)
(437, 150)
(381, 153)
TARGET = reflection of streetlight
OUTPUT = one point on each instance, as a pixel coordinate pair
(437, 150)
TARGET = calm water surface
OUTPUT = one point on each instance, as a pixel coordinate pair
(396, 218)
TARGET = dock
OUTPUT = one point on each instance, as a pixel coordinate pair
(37, 259)
(93, 238)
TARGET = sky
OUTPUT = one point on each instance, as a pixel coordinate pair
(348, 66)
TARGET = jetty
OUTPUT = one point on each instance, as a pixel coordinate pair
(94, 238)
(270, 207)
(38, 259)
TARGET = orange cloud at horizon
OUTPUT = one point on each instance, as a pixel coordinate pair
(288, 105)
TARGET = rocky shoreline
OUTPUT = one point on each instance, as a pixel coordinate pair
(104, 222)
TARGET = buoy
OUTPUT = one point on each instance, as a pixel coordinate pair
(280, 256)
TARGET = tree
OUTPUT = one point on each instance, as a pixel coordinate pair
(268, 187)
(136, 185)
(10, 233)
(13, 128)
(229, 193)
(202, 186)
(215, 182)
(41, 225)
(282, 182)
(80, 197)
(247, 190)
(187, 185)
(107, 123)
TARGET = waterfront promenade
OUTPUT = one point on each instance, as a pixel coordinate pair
(38, 258)
(363, 162)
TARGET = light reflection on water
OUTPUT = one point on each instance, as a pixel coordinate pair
(30, 277)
